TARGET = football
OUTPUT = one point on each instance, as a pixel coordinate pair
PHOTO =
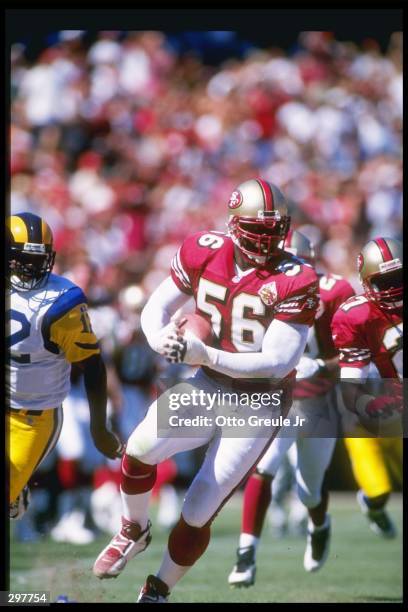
(199, 326)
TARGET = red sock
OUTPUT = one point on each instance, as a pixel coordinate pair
(257, 497)
(187, 543)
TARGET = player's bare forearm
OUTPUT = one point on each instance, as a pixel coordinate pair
(95, 380)
(332, 364)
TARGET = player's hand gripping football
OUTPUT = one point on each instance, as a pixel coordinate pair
(182, 346)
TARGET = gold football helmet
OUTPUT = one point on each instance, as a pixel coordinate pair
(299, 245)
(258, 219)
(380, 267)
(30, 251)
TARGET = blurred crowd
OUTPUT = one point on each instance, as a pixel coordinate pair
(125, 146)
(125, 142)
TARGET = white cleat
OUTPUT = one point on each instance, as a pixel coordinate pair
(125, 545)
(243, 573)
(317, 546)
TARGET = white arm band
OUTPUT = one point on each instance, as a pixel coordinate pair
(162, 304)
(355, 375)
(282, 347)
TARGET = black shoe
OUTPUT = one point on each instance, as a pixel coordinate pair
(378, 518)
(154, 591)
(317, 548)
(243, 573)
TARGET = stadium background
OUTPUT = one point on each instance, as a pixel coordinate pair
(126, 141)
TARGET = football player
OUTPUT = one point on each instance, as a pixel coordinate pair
(368, 329)
(258, 299)
(316, 369)
(48, 330)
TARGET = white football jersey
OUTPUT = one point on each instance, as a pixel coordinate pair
(47, 330)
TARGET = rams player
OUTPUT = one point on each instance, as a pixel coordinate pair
(48, 329)
(367, 329)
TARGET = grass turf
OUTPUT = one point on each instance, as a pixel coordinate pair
(362, 567)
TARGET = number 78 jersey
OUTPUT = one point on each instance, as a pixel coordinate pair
(241, 305)
(362, 333)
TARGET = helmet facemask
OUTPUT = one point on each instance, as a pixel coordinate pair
(29, 270)
(385, 288)
(259, 238)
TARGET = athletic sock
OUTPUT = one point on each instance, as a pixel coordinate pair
(135, 507)
(170, 572)
(247, 539)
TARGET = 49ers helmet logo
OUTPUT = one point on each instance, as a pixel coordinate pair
(235, 199)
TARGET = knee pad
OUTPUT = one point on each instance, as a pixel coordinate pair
(137, 477)
(188, 543)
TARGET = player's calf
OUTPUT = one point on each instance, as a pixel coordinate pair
(137, 479)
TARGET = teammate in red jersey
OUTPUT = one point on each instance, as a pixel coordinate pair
(315, 378)
(261, 302)
(367, 329)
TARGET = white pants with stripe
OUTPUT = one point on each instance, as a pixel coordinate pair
(228, 459)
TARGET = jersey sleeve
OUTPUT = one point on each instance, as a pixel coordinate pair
(180, 272)
(342, 291)
(299, 298)
(67, 327)
(348, 338)
(188, 262)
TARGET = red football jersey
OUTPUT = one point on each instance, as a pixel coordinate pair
(333, 290)
(362, 332)
(241, 307)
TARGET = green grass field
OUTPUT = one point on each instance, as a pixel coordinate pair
(361, 568)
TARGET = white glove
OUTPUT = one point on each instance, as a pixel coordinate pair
(160, 340)
(185, 349)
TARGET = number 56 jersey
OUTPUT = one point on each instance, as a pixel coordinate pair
(362, 333)
(47, 330)
(242, 304)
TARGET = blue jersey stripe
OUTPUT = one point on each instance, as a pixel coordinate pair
(61, 306)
